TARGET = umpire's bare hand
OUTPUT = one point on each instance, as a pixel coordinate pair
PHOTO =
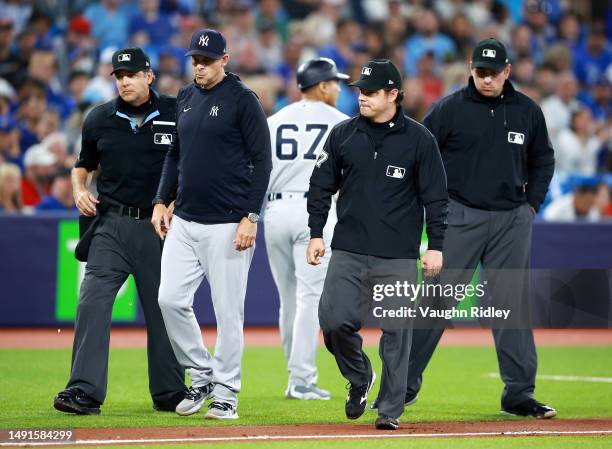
(245, 235)
(85, 202)
(161, 218)
(431, 262)
(315, 250)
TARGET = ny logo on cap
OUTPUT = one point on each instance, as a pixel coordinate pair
(488, 53)
(366, 71)
(203, 41)
(123, 57)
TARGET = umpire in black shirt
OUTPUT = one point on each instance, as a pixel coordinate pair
(499, 162)
(386, 167)
(127, 139)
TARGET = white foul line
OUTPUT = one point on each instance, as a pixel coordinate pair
(607, 380)
(311, 437)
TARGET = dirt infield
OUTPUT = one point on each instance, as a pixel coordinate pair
(208, 434)
(269, 336)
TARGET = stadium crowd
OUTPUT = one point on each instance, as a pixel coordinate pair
(55, 64)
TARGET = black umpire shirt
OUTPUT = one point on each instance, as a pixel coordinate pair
(385, 177)
(221, 160)
(130, 155)
(496, 151)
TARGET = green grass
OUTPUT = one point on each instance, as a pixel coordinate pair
(455, 389)
(420, 443)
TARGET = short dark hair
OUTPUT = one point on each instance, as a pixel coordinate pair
(400, 96)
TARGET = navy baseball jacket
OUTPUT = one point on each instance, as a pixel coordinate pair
(220, 160)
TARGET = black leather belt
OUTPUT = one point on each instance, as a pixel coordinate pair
(132, 212)
(280, 196)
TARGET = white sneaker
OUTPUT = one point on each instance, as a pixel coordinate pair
(307, 392)
(221, 410)
(194, 400)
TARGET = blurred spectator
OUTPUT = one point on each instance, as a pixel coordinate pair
(319, 28)
(594, 58)
(17, 11)
(110, 22)
(522, 40)
(427, 39)
(77, 83)
(569, 31)
(60, 197)
(57, 144)
(558, 108)
(150, 26)
(431, 85)
(342, 50)
(578, 146)
(39, 167)
(578, 205)
(545, 80)
(462, 34)
(271, 12)
(80, 51)
(559, 57)
(168, 84)
(603, 201)
(9, 142)
(271, 49)
(10, 63)
(10, 188)
(101, 88)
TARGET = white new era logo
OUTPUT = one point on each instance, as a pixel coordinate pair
(390, 82)
(488, 53)
(203, 41)
(366, 71)
(123, 57)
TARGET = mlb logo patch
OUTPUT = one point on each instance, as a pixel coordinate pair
(162, 138)
(395, 172)
(366, 71)
(517, 138)
(124, 57)
(488, 53)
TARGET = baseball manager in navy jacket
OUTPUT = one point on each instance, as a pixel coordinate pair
(219, 165)
(499, 162)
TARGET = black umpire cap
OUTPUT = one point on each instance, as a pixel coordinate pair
(132, 59)
(379, 74)
(316, 70)
(207, 42)
(490, 54)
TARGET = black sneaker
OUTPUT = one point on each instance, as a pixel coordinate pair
(74, 400)
(169, 405)
(384, 422)
(530, 408)
(409, 400)
(357, 398)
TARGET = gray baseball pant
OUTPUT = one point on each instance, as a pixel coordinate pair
(499, 240)
(345, 303)
(193, 251)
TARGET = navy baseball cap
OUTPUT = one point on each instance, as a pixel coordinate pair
(490, 54)
(209, 43)
(132, 59)
(379, 74)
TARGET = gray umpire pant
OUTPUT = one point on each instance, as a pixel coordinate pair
(121, 246)
(345, 304)
(499, 240)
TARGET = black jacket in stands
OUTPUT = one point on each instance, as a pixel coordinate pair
(384, 181)
(220, 160)
(496, 152)
(130, 156)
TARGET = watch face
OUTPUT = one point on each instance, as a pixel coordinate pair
(253, 217)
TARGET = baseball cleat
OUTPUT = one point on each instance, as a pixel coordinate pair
(384, 422)
(169, 405)
(74, 400)
(357, 398)
(221, 410)
(194, 400)
(307, 392)
(530, 408)
(408, 401)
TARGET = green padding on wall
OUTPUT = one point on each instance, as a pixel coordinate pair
(70, 274)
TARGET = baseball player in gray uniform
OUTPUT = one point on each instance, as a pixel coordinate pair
(297, 134)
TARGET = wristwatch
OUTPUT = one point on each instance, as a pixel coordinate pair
(253, 217)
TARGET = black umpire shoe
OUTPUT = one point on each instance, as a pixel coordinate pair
(530, 408)
(409, 400)
(357, 398)
(384, 422)
(74, 400)
(169, 405)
